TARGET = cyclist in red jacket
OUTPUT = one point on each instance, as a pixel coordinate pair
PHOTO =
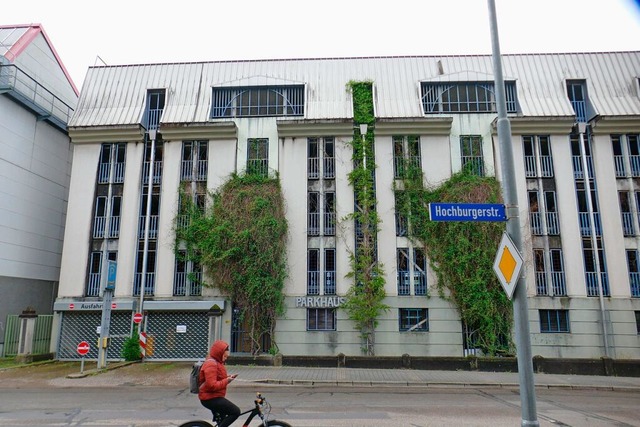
(214, 380)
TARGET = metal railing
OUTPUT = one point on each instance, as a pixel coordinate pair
(578, 172)
(183, 285)
(313, 224)
(40, 342)
(313, 282)
(580, 108)
(474, 163)
(619, 165)
(157, 172)
(93, 286)
(558, 283)
(634, 162)
(258, 167)
(149, 286)
(104, 171)
(634, 280)
(153, 226)
(530, 167)
(330, 283)
(535, 220)
(553, 225)
(404, 283)
(402, 225)
(585, 223)
(313, 168)
(100, 223)
(591, 279)
(27, 91)
(627, 224)
(186, 170)
(329, 164)
(329, 224)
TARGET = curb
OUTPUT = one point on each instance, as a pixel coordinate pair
(111, 367)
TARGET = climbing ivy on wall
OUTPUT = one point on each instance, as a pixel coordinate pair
(462, 253)
(241, 242)
(364, 298)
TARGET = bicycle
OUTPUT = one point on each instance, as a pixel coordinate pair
(261, 408)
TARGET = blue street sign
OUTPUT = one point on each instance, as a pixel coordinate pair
(467, 212)
(112, 267)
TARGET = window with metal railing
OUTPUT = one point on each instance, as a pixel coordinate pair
(148, 275)
(577, 93)
(187, 280)
(258, 156)
(154, 214)
(257, 101)
(157, 162)
(471, 154)
(194, 166)
(406, 155)
(554, 321)
(543, 224)
(549, 272)
(633, 263)
(112, 161)
(465, 97)
(329, 209)
(413, 319)
(584, 216)
(321, 162)
(628, 228)
(154, 109)
(411, 271)
(538, 161)
(321, 319)
(313, 271)
(402, 222)
(592, 279)
(100, 218)
(94, 282)
(329, 271)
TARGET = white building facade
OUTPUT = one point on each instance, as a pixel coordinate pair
(296, 117)
(37, 98)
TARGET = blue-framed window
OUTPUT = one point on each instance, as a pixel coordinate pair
(465, 97)
(633, 263)
(577, 93)
(638, 321)
(554, 321)
(153, 111)
(257, 101)
(413, 319)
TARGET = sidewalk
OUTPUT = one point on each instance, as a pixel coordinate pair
(358, 377)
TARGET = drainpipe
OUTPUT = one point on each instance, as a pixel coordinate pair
(582, 128)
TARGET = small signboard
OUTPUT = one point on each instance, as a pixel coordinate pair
(137, 318)
(112, 268)
(467, 212)
(508, 264)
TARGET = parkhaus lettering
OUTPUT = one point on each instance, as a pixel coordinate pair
(319, 302)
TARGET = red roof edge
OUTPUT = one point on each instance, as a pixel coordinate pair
(27, 38)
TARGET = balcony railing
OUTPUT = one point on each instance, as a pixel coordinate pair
(329, 171)
(546, 166)
(578, 172)
(149, 286)
(27, 91)
(536, 223)
(104, 171)
(558, 283)
(580, 108)
(530, 166)
(585, 223)
(187, 173)
(313, 282)
(258, 167)
(99, 224)
(420, 282)
(184, 286)
(313, 168)
(634, 161)
(627, 224)
(401, 225)
(591, 279)
(553, 225)
(330, 224)
(157, 172)
(153, 226)
(619, 165)
(634, 280)
(474, 163)
(93, 287)
(313, 224)
(330, 283)
(404, 283)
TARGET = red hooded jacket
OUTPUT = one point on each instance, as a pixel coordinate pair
(213, 374)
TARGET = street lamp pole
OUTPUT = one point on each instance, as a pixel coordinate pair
(520, 309)
(147, 220)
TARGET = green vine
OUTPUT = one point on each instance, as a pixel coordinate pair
(462, 253)
(364, 299)
(241, 242)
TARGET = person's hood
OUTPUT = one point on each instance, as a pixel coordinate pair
(217, 350)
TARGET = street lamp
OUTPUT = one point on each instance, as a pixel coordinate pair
(147, 220)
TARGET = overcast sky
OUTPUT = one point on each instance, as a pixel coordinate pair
(142, 31)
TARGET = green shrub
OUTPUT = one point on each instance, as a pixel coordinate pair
(131, 349)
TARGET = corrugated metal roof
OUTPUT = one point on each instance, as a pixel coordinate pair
(115, 95)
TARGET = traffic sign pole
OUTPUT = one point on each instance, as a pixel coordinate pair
(520, 309)
(82, 349)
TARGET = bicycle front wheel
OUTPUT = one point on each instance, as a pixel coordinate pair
(197, 423)
(275, 423)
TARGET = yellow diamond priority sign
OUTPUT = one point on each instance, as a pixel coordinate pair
(508, 264)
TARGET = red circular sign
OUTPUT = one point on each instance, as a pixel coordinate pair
(71, 306)
(83, 348)
(114, 305)
(137, 318)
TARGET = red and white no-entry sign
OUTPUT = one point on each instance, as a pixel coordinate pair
(83, 348)
(137, 318)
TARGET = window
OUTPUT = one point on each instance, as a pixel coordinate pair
(471, 152)
(554, 321)
(149, 275)
(411, 270)
(112, 158)
(537, 156)
(155, 107)
(406, 155)
(154, 214)
(638, 321)
(194, 161)
(413, 319)
(465, 97)
(329, 214)
(633, 143)
(321, 160)
(549, 280)
(187, 280)
(321, 319)
(94, 284)
(576, 91)
(313, 272)
(257, 101)
(100, 218)
(401, 217)
(329, 271)
(313, 213)
(633, 263)
(258, 156)
(626, 212)
(591, 275)
(157, 162)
